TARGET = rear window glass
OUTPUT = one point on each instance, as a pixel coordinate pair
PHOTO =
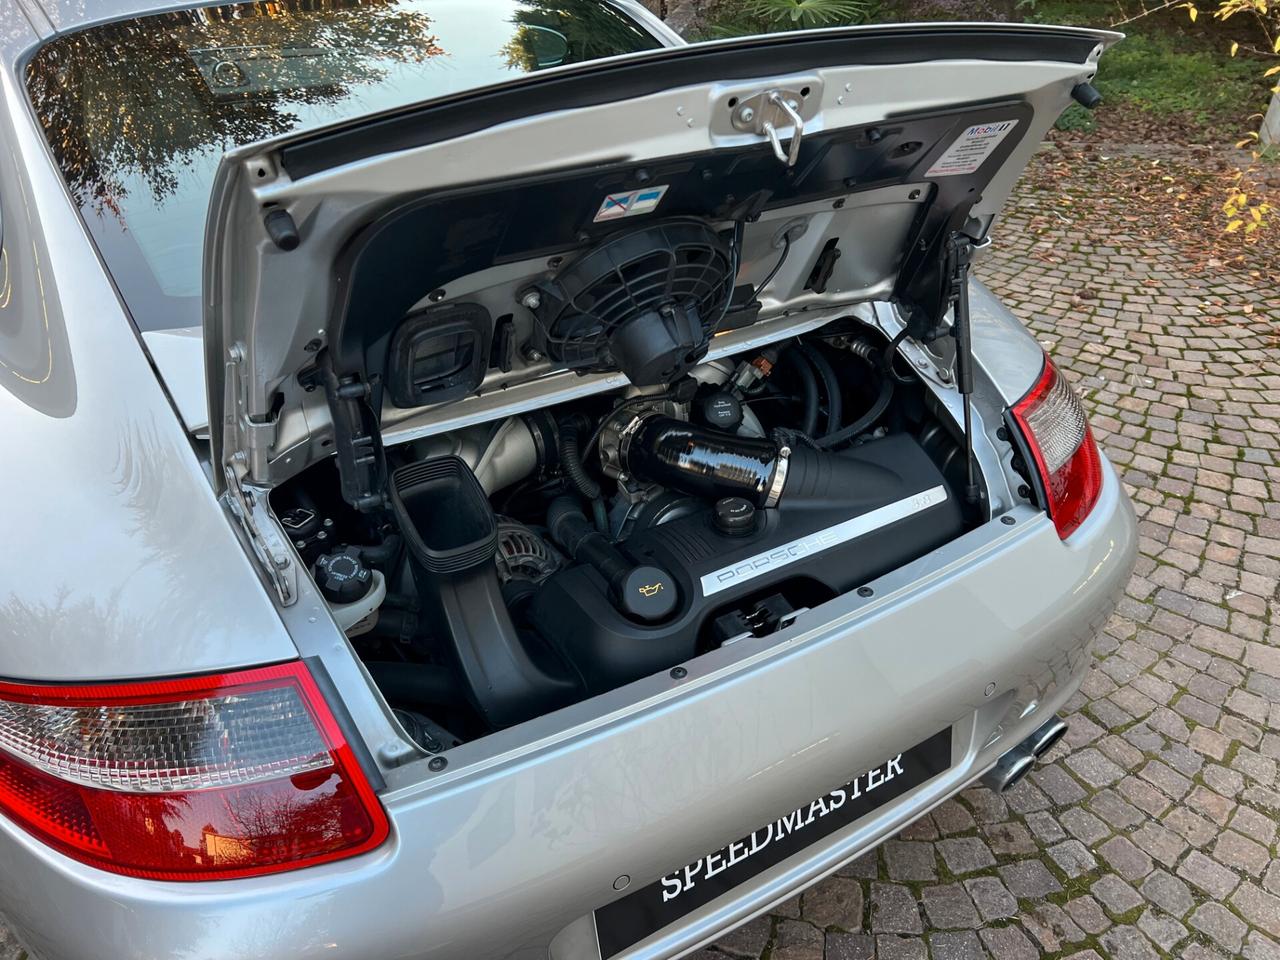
(139, 112)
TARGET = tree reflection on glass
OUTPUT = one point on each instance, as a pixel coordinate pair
(142, 98)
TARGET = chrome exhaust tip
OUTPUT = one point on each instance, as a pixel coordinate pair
(1009, 769)
(1042, 741)
(1017, 763)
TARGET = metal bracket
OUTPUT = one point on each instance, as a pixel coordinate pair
(247, 506)
(245, 503)
(766, 112)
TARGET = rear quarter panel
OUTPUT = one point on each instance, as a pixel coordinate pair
(119, 562)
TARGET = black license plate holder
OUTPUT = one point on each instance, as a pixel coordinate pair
(627, 921)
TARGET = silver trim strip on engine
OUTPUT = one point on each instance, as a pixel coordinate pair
(806, 546)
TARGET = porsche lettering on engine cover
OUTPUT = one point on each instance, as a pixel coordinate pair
(752, 567)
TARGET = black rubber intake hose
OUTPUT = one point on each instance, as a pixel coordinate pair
(713, 464)
(702, 461)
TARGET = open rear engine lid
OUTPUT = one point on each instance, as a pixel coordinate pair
(865, 147)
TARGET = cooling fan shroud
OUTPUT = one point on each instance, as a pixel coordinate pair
(645, 301)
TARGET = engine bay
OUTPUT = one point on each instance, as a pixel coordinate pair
(535, 560)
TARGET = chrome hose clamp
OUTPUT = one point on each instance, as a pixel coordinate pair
(779, 479)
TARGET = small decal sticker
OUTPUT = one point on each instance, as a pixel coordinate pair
(631, 204)
(973, 146)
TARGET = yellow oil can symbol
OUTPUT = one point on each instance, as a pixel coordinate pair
(651, 589)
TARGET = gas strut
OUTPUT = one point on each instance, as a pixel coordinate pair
(959, 257)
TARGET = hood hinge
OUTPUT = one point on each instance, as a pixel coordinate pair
(247, 503)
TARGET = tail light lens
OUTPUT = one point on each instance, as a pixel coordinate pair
(1056, 428)
(208, 778)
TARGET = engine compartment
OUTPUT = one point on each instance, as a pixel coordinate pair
(535, 560)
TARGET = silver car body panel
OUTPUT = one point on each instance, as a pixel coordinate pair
(117, 544)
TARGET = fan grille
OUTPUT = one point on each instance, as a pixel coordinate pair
(633, 273)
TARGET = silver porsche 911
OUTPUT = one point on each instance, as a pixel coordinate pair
(484, 478)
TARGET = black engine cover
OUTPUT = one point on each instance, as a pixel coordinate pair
(898, 508)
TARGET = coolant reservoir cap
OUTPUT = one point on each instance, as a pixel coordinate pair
(722, 410)
(647, 593)
(343, 577)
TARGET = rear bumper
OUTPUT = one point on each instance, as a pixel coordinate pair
(988, 635)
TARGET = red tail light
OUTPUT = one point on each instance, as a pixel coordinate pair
(207, 778)
(1056, 428)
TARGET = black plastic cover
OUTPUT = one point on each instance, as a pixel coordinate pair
(439, 354)
(791, 544)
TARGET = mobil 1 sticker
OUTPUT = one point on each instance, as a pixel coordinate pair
(625, 922)
(970, 149)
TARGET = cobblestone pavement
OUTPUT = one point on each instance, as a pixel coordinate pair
(1151, 829)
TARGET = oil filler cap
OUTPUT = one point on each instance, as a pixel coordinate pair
(647, 593)
(735, 516)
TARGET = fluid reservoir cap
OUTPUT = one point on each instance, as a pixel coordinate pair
(648, 593)
(722, 410)
(735, 516)
(343, 577)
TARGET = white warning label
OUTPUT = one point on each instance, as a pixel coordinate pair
(968, 151)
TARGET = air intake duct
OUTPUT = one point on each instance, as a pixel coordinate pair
(710, 463)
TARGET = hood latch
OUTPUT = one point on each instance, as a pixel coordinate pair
(766, 112)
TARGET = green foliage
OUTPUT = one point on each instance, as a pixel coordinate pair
(736, 18)
(1077, 120)
(810, 13)
(1161, 75)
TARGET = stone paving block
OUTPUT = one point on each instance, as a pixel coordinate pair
(1008, 943)
(1083, 825)
(1211, 877)
(963, 945)
(1087, 914)
(894, 909)
(948, 907)
(1258, 907)
(1128, 943)
(1073, 858)
(1117, 896)
(900, 948)
(1009, 839)
(1126, 859)
(1240, 853)
(1220, 925)
(992, 899)
(1164, 931)
(965, 854)
(1168, 892)
(1029, 879)
(910, 861)
(834, 902)
(796, 940)
(850, 946)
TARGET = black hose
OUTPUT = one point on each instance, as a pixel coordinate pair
(830, 385)
(809, 385)
(571, 462)
(891, 353)
(786, 249)
(863, 422)
(416, 683)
